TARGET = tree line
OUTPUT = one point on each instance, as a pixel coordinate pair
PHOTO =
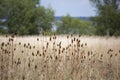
(28, 17)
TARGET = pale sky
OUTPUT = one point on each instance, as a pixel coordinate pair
(73, 7)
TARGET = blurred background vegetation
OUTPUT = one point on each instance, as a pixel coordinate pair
(28, 17)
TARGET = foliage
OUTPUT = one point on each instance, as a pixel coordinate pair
(25, 16)
(108, 19)
(74, 25)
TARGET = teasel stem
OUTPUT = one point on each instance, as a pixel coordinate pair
(1, 66)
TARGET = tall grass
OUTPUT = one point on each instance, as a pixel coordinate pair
(59, 57)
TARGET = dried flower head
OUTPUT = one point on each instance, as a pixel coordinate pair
(37, 39)
(35, 66)
(111, 56)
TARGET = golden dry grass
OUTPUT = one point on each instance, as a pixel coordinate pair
(63, 57)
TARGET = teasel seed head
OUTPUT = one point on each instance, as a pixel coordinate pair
(2, 44)
(37, 39)
(32, 54)
(35, 66)
(33, 47)
(56, 57)
(81, 45)
(116, 54)
(101, 55)
(29, 65)
(111, 56)
(85, 44)
(67, 37)
(50, 39)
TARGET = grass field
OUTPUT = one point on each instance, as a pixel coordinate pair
(63, 57)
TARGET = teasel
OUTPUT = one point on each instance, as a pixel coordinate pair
(67, 37)
(37, 52)
(55, 37)
(74, 39)
(29, 65)
(32, 54)
(101, 55)
(85, 44)
(56, 57)
(12, 36)
(47, 44)
(19, 43)
(116, 54)
(28, 44)
(88, 53)
(51, 57)
(8, 43)
(2, 44)
(50, 39)
(29, 47)
(111, 56)
(14, 49)
(33, 47)
(79, 35)
(53, 43)
(22, 51)
(37, 39)
(35, 66)
(24, 45)
(59, 51)
(81, 45)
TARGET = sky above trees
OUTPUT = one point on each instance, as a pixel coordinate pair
(73, 7)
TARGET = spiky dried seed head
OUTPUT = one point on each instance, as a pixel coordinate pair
(81, 45)
(37, 39)
(56, 57)
(55, 37)
(50, 39)
(101, 55)
(37, 51)
(29, 65)
(116, 54)
(2, 44)
(33, 47)
(47, 43)
(51, 57)
(67, 37)
(19, 43)
(111, 56)
(30, 47)
(28, 44)
(22, 51)
(14, 49)
(32, 54)
(88, 53)
(24, 45)
(35, 66)
(85, 44)
(72, 41)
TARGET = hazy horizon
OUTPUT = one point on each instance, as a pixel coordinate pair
(74, 8)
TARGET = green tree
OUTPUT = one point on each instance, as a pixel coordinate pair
(25, 16)
(107, 20)
(73, 25)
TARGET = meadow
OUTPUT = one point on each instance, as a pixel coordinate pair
(59, 57)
